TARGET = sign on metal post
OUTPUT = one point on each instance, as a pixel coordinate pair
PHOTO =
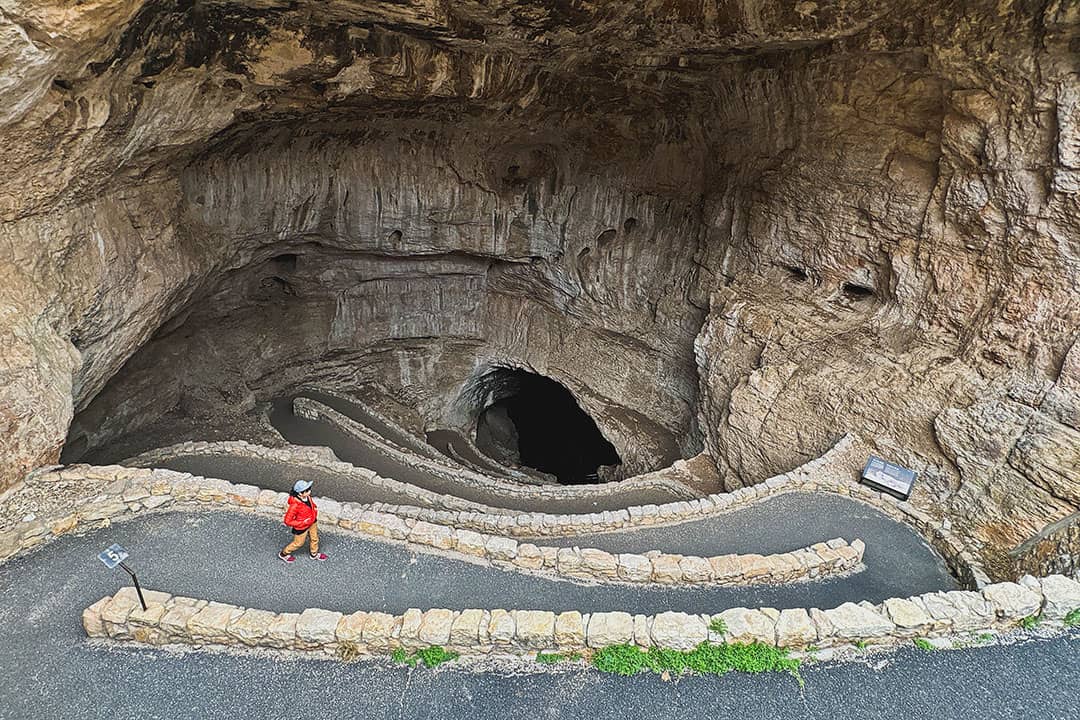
(113, 557)
(888, 477)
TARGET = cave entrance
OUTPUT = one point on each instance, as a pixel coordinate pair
(533, 420)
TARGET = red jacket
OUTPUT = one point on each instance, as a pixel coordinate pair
(298, 515)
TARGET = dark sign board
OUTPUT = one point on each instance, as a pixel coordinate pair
(887, 477)
(113, 556)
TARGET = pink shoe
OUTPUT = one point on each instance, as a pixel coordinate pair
(287, 559)
(320, 556)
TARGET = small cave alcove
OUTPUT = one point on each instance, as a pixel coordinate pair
(534, 421)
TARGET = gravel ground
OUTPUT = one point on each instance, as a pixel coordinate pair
(49, 670)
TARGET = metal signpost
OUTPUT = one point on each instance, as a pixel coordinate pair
(114, 556)
(887, 477)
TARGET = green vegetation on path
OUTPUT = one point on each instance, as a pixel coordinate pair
(707, 658)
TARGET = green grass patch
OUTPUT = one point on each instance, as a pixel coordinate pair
(1073, 618)
(554, 658)
(923, 644)
(862, 644)
(718, 626)
(707, 659)
(1029, 622)
(432, 656)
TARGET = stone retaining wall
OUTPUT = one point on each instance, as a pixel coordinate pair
(836, 471)
(317, 458)
(313, 410)
(1056, 549)
(187, 621)
(135, 490)
(832, 472)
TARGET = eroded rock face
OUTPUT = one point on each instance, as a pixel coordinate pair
(747, 230)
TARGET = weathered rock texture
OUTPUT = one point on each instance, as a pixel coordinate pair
(743, 227)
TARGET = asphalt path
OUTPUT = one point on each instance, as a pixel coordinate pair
(49, 670)
(898, 561)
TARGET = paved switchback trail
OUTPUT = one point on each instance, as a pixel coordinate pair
(49, 670)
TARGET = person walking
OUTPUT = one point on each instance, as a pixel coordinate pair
(302, 518)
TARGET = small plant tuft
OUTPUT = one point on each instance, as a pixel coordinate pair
(718, 626)
(1030, 622)
(347, 651)
(862, 644)
(550, 658)
(923, 644)
(436, 655)
(401, 657)
(1073, 618)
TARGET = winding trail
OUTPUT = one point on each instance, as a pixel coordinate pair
(49, 670)
(301, 431)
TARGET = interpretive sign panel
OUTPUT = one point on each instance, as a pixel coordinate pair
(887, 477)
(113, 556)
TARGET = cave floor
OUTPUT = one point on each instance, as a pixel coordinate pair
(50, 670)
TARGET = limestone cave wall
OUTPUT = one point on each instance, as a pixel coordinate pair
(746, 228)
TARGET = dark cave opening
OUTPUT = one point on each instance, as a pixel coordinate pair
(535, 421)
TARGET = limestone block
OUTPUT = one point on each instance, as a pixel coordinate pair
(971, 611)
(317, 629)
(859, 547)
(678, 631)
(329, 511)
(795, 629)
(854, 622)
(267, 498)
(725, 568)
(65, 524)
(695, 570)
(642, 631)
(350, 629)
(213, 490)
(380, 630)
(634, 568)
(569, 561)
(748, 626)
(551, 556)
(529, 557)
(470, 542)
(609, 628)
(176, 618)
(940, 610)
(437, 536)
(534, 628)
(248, 496)
(1061, 595)
(282, 631)
(251, 626)
(501, 548)
(465, 630)
(754, 566)
(1011, 601)
(569, 630)
(410, 628)
(103, 511)
(435, 627)
(210, 625)
(599, 563)
(91, 618)
(909, 618)
(501, 627)
(666, 569)
(824, 627)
